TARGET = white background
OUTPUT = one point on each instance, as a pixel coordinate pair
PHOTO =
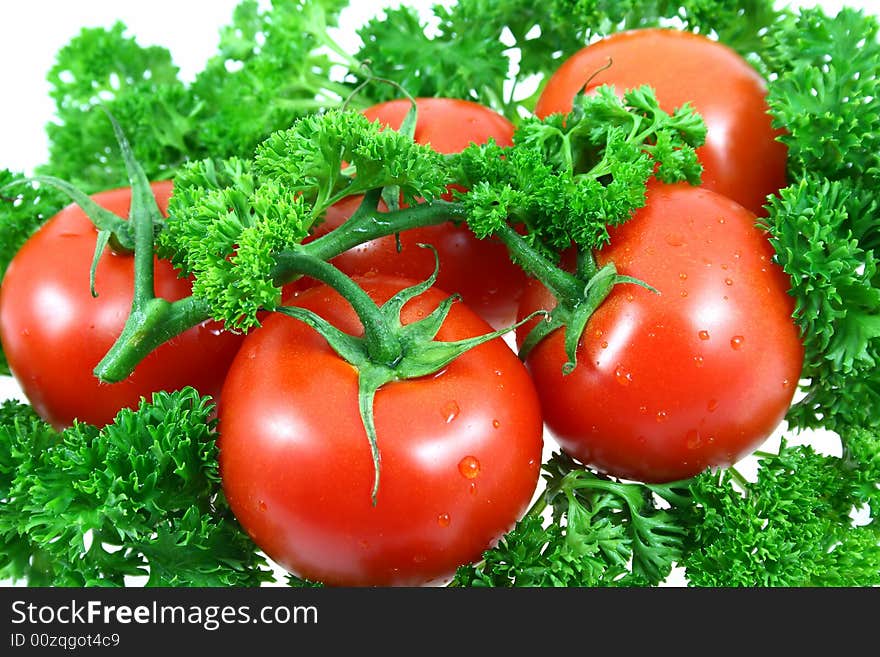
(31, 32)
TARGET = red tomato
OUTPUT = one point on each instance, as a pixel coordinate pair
(479, 270)
(742, 158)
(460, 450)
(697, 376)
(54, 332)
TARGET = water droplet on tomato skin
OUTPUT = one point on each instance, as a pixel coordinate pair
(261, 505)
(728, 282)
(736, 342)
(604, 344)
(495, 424)
(443, 520)
(674, 239)
(785, 383)
(698, 361)
(469, 467)
(703, 335)
(693, 439)
(684, 293)
(623, 377)
(662, 416)
(643, 410)
(450, 411)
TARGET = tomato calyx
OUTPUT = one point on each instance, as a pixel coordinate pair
(572, 312)
(388, 350)
(578, 294)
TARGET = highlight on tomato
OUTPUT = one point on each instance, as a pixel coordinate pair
(742, 157)
(459, 450)
(479, 270)
(694, 374)
(54, 331)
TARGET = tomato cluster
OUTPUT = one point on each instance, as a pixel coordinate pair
(691, 373)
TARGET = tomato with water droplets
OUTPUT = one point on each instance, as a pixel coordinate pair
(460, 449)
(666, 384)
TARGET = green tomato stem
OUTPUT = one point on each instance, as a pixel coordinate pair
(367, 224)
(559, 282)
(149, 325)
(381, 343)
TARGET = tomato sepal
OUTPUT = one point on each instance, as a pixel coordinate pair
(572, 312)
(389, 350)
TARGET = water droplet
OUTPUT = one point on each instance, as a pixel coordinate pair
(629, 296)
(684, 293)
(785, 383)
(662, 416)
(623, 377)
(469, 467)
(721, 220)
(724, 266)
(443, 520)
(604, 344)
(698, 361)
(496, 423)
(674, 239)
(737, 341)
(25, 333)
(533, 463)
(712, 405)
(599, 333)
(450, 411)
(473, 488)
(728, 281)
(703, 335)
(498, 372)
(683, 276)
(262, 505)
(737, 255)
(693, 440)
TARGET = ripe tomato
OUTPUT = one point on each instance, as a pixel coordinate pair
(460, 450)
(54, 332)
(479, 270)
(697, 376)
(742, 158)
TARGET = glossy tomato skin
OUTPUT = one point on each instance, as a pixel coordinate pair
(742, 158)
(460, 450)
(480, 270)
(54, 332)
(696, 376)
